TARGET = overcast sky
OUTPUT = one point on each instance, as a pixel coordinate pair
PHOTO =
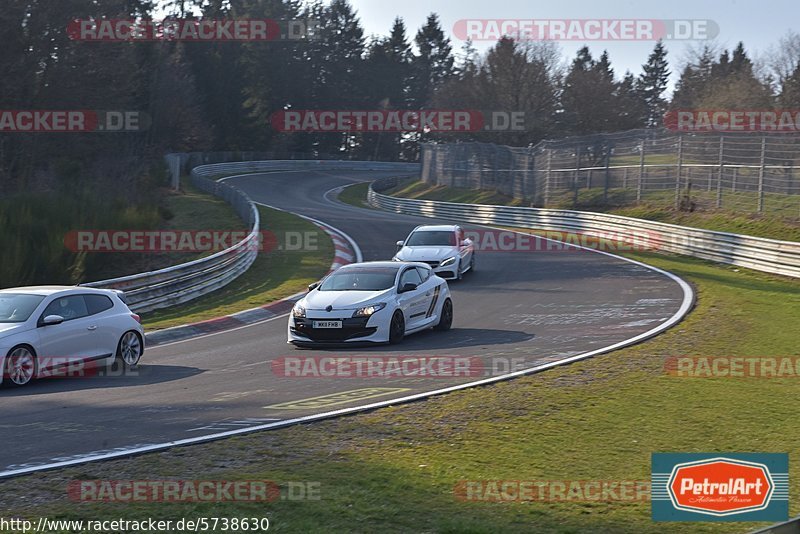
(758, 23)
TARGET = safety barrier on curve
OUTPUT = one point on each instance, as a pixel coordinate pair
(767, 255)
(181, 283)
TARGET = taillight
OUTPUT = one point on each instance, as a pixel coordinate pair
(136, 318)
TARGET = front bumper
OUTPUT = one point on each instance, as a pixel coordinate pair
(354, 330)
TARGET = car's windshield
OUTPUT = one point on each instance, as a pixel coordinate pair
(360, 279)
(432, 238)
(17, 307)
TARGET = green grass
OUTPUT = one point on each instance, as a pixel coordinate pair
(653, 208)
(355, 195)
(275, 274)
(393, 470)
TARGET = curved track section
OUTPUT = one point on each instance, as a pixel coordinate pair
(527, 310)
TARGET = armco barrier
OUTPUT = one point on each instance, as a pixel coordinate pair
(767, 255)
(182, 283)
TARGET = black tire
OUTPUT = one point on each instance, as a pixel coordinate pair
(20, 375)
(124, 356)
(459, 274)
(397, 328)
(446, 320)
(472, 263)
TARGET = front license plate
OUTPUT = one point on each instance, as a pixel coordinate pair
(327, 324)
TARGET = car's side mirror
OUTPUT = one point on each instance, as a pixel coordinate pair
(312, 287)
(409, 286)
(399, 244)
(52, 320)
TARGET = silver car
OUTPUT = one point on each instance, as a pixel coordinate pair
(47, 328)
(444, 247)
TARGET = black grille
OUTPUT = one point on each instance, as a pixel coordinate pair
(352, 328)
(432, 263)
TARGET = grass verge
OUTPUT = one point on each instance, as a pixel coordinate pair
(394, 470)
(274, 275)
(769, 226)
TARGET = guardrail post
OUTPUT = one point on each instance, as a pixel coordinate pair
(678, 176)
(761, 175)
(720, 170)
(641, 173)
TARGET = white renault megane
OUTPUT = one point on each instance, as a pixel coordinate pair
(45, 328)
(379, 301)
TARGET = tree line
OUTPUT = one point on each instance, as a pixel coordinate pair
(219, 95)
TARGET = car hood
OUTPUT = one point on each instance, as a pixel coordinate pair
(342, 300)
(6, 329)
(426, 253)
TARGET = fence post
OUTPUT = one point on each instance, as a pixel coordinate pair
(547, 178)
(761, 175)
(733, 180)
(678, 177)
(607, 177)
(575, 176)
(641, 173)
(720, 170)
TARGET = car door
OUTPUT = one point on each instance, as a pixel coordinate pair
(413, 303)
(72, 340)
(431, 290)
(107, 334)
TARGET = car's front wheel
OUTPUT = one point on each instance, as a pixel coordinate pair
(129, 349)
(446, 319)
(21, 366)
(397, 328)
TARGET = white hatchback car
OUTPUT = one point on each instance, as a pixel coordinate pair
(44, 328)
(378, 301)
(444, 247)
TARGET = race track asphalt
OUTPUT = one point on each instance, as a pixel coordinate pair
(517, 308)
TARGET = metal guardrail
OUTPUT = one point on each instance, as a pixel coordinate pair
(187, 281)
(787, 527)
(767, 255)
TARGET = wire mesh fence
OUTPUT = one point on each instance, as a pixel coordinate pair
(737, 172)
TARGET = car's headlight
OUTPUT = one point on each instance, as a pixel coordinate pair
(298, 311)
(448, 261)
(366, 311)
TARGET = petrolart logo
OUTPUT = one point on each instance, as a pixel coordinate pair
(720, 487)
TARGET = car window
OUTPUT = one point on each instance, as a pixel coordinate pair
(424, 273)
(431, 238)
(410, 276)
(97, 303)
(16, 308)
(360, 279)
(71, 307)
